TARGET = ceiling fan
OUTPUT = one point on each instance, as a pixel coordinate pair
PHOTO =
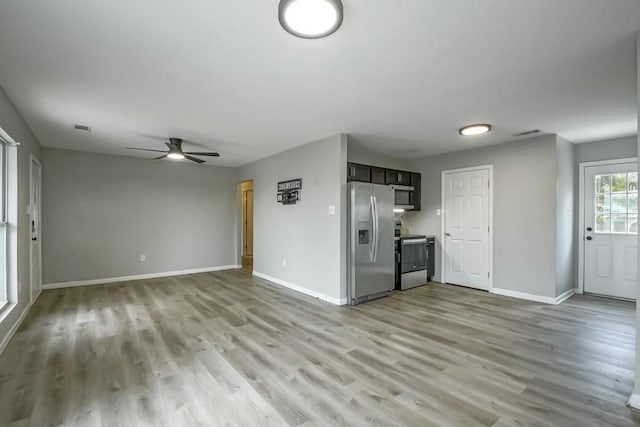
(175, 152)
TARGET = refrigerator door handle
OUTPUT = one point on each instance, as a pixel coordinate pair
(375, 229)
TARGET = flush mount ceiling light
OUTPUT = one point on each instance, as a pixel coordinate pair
(310, 19)
(472, 130)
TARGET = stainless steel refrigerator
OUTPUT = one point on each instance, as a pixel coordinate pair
(371, 253)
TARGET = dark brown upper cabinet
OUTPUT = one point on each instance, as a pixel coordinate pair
(396, 177)
(378, 175)
(358, 172)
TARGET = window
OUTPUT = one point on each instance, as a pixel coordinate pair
(616, 203)
(3, 222)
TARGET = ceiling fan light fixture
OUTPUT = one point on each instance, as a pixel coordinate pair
(175, 156)
(175, 152)
(477, 129)
(175, 149)
(310, 19)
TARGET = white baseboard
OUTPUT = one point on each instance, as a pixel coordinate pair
(106, 280)
(531, 297)
(332, 300)
(634, 401)
(14, 328)
(565, 296)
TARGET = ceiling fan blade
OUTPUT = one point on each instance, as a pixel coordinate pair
(158, 158)
(193, 159)
(145, 149)
(202, 153)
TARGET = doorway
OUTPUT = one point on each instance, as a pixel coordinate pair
(466, 227)
(609, 228)
(246, 189)
(35, 210)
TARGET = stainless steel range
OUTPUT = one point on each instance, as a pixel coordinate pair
(415, 262)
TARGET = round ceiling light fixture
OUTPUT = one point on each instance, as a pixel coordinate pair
(473, 130)
(310, 19)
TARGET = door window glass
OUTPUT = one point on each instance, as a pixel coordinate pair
(616, 203)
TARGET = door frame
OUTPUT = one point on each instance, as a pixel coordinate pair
(32, 160)
(243, 219)
(581, 184)
(443, 270)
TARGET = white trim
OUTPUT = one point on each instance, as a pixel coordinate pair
(106, 280)
(14, 328)
(564, 296)
(537, 298)
(634, 401)
(4, 136)
(580, 236)
(332, 300)
(443, 274)
(32, 160)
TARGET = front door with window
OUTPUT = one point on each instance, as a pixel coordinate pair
(611, 228)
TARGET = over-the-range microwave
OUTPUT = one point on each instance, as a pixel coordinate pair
(404, 197)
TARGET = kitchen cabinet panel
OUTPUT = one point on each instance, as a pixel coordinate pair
(416, 181)
(396, 177)
(378, 175)
(358, 172)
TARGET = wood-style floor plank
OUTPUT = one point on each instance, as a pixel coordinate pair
(228, 349)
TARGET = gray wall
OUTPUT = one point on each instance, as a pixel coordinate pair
(14, 125)
(101, 212)
(524, 219)
(344, 144)
(564, 235)
(618, 148)
(304, 234)
(358, 153)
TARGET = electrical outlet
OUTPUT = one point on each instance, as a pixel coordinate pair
(284, 262)
(438, 212)
(143, 257)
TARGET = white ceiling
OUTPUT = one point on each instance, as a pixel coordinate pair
(400, 76)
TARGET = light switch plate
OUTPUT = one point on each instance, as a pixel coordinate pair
(332, 210)
(438, 212)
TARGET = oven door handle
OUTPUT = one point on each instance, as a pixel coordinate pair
(414, 241)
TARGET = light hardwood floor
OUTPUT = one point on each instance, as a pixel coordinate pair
(227, 349)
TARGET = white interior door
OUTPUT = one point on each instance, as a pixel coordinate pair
(611, 228)
(35, 228)
(466, 228)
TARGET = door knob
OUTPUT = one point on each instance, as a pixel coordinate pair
(589, 238)
(447, 234)
(589, 229)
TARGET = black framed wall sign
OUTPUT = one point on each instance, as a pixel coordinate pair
(289, 191)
